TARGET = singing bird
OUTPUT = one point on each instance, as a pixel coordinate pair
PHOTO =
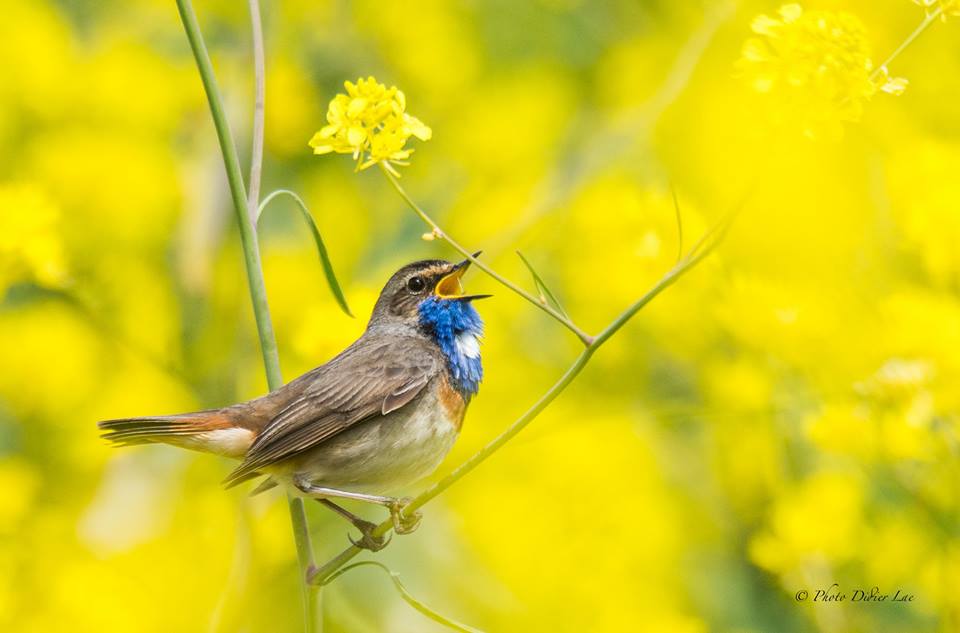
(380, 415)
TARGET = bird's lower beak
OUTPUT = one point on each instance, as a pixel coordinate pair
(451, 287)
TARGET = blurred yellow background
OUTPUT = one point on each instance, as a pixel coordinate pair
(783, 419)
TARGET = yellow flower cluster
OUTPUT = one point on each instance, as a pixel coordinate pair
(371, 123)
(816, 62)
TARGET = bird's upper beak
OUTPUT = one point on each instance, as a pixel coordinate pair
(450, 286)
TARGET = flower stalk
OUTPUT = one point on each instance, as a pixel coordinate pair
(248, 238)
(927, 21)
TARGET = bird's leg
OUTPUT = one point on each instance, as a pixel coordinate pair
(401, 523)
(320, 492)
(369, 540)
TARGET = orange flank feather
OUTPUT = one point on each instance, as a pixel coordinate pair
(452, 402)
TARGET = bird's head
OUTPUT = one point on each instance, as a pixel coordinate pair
(419, 290)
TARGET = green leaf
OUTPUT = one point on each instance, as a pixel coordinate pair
(679, 218)
(317, 239)
(545, 294)
(413, 602)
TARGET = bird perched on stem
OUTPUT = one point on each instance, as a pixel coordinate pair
(381, 414)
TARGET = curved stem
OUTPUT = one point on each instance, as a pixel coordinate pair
(251, 254)
(406, 595)
(585, 338)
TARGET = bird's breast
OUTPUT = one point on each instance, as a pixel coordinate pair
(385, 453)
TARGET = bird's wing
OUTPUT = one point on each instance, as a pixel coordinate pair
(371, 378)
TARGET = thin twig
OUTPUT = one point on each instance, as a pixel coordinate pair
(406, 595)
(927, 21)
(258, 292)
(259, 105)
(710, 240)
(585, 338)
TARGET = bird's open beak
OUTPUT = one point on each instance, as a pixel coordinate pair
(450, 286)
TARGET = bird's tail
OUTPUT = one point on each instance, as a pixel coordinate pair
(212, 431)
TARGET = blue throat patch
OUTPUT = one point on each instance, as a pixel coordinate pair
(455, 326)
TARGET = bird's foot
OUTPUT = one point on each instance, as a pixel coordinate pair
(369, 540)
(402, 523)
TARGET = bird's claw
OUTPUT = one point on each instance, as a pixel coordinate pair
(404, 524)
(369, 541)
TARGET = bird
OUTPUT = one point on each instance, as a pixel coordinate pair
(380, 415)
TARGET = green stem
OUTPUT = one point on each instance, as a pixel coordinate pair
(585, 338)
(259, 106)
(310, 594)
(703, 247)
(248, 237)
(251, 254)
(927, 21)
(407, 596)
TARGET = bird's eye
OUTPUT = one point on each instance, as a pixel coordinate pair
(416, 284)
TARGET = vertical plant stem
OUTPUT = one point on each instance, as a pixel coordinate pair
(310, 594)
(259, 104)
(251, 254)
(248, 237)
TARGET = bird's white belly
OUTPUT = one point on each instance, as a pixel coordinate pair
(383, 454)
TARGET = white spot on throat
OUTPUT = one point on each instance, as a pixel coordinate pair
(468, 344)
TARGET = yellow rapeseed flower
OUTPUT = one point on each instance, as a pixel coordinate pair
(816, 63)
(371, 123)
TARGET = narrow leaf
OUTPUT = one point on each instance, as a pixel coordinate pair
(408, 597)
(318, 241)
(679, 217)
(542, 288)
